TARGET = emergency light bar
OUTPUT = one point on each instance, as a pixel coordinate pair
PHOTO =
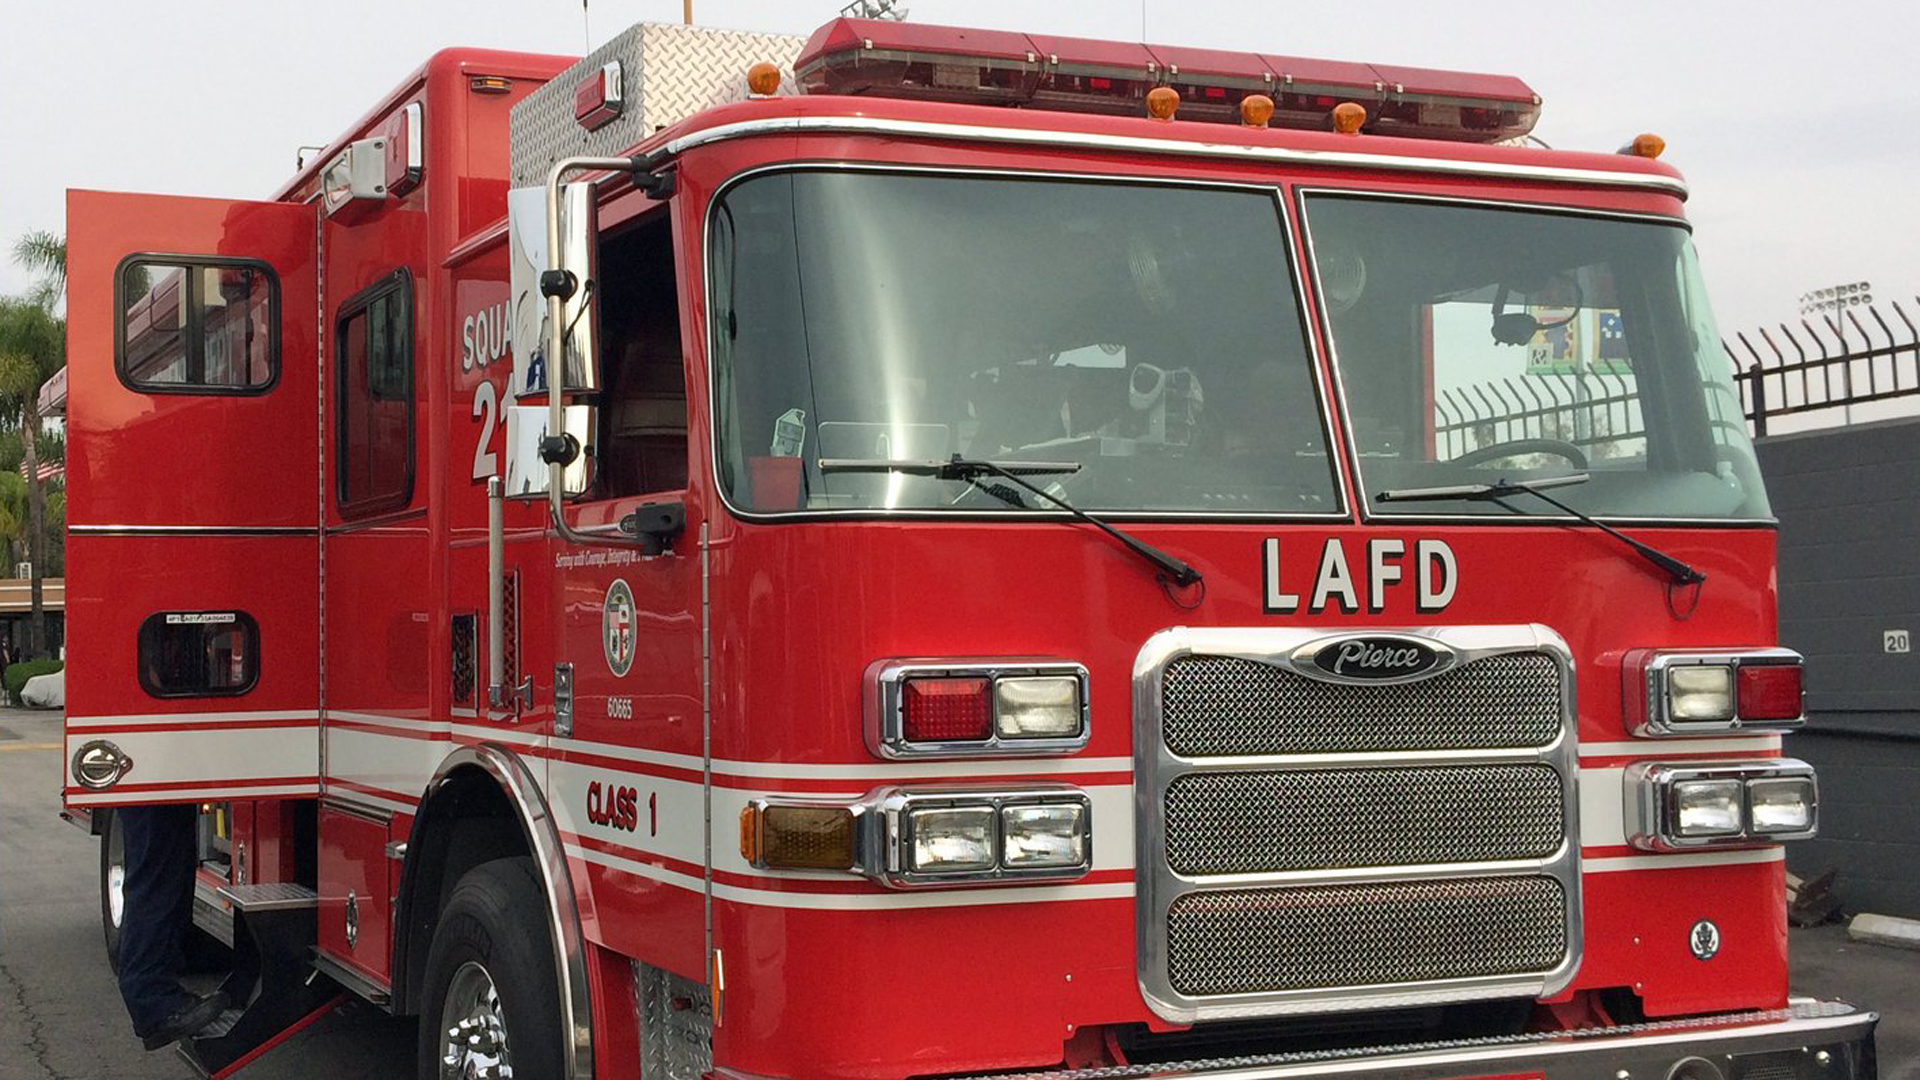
(996, 67)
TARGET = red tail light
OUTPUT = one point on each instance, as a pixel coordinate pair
(1770, 691)
(947, 710)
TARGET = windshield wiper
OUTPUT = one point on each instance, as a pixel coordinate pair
(1680, 572)
(971, 470)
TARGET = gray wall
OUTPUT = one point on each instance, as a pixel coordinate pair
(1848, 500)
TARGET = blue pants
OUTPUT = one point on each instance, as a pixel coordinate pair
(158, 912)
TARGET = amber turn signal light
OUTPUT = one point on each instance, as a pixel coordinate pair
(1349, 117)
(783, 837)
(1162, 102)
(763, 79)
(1256, 110)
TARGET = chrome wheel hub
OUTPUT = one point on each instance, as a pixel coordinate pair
(473, 1041)
(116, 877)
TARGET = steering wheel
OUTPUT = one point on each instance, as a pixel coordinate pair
(1556, 447)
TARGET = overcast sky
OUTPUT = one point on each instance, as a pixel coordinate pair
(1800, 135)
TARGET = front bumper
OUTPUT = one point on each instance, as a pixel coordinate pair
(1807, 1040)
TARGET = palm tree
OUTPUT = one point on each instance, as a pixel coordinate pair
(44, 254)
(32, 349)
(33, 345)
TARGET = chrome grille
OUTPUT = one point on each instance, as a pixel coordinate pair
(1217, 706)
(1316, 844)
(1270, 940)
(1254, 822)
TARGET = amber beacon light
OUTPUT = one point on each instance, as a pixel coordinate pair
(763, 79)
(1163, 102)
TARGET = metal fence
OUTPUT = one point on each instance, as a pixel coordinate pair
(1852, 357)
(1587, 410)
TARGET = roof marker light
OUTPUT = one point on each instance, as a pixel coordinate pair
(489, 84)
(1256, 110)
(1646, 145)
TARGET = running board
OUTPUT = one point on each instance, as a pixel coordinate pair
(272, 985)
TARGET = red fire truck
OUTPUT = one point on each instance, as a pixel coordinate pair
(926, 552)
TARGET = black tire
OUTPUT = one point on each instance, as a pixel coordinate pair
(113, 853)
(496, 919)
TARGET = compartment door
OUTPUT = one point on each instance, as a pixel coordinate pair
(193, 500)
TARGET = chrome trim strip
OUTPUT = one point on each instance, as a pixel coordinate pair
(1076, 140)
(1647, 1049)
(1339, 513)
(1159, 885)
(885, 724)
(563, 910)
(372, 992)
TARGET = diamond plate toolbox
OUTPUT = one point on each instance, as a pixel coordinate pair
(669, 72)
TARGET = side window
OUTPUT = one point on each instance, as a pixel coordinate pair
(373, 353)
(199, 653)
(643, 424)
(191, 325)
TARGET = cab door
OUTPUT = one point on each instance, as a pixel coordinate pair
(192, 500)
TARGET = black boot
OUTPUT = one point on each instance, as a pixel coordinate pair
(197, 1013)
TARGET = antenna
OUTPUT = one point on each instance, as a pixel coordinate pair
(874, 9)
(586, 25)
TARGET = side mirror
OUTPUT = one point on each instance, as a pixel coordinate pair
(527, 469)
(579, 258)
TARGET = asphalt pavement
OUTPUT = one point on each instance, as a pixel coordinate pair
(61, 1017)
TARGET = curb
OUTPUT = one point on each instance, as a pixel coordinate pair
(1885, 930)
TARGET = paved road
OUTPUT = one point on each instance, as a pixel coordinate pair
(61, 1018)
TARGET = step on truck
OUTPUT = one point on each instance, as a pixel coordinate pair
(922, 552)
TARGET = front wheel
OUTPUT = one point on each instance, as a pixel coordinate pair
(491, 1007)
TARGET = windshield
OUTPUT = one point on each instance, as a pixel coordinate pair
(1480, 344)
(1148, 333)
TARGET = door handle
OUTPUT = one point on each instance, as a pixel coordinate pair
(99, 765)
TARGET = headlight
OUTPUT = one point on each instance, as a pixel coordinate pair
(1053, 835)
(1037, 707)
(1680, 805)
(1704, 692)
(1706, 807)
(1783, 805)
(981, 836)
(953, 840)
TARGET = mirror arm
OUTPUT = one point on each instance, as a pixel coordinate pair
(552, 281)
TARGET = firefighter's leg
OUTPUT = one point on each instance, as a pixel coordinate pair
(159, 899)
